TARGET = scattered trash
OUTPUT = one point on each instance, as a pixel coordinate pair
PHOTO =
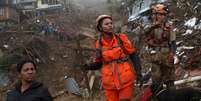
(187, 32)
(11, 38)
(181, 53)
(72, 86)
(187, 47)
(37, 60)
(176, 60)
(5, 46)
(179, 42)
(52, 58)
(38, 21)
(65, 56)
(191, 22)
(198, 26)
(153, 52)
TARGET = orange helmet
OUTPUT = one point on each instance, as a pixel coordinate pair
(99, 18)
(159, 8)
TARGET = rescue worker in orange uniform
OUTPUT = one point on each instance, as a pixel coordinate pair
(161, 38)
(112, 54)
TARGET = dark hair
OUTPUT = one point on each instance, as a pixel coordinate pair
(20, 64)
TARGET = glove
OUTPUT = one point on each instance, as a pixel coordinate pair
(137, 66)
(139, 79)
(85, 67)
(92, 66)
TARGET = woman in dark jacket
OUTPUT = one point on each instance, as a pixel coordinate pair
(27, 89)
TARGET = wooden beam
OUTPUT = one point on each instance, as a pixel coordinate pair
(187, 80)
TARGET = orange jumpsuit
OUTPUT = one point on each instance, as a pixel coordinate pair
(117, 76)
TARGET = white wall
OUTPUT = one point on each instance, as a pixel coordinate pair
(25, 1)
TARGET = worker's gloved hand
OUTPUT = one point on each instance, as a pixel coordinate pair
(139, 79)
(157, 24)
(85, 66)
(92, 66)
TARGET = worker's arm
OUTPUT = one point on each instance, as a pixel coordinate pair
(92, 66)
(149, 28)
(173, 41)
(137, 65)
(98, 61)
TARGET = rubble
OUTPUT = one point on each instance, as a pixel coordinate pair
(58, 43)
(187, 32)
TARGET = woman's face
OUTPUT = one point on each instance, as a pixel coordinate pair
(28, 72)
(107, 25)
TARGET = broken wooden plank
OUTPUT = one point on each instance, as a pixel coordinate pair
(19, 31)
(178, 82)
(187, 80)
(91, 82)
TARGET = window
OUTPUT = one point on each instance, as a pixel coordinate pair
(2, 11)
(44, 1)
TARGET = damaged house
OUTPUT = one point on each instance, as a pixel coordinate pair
(8, 12)
(33, 8)
(48, 7)
(28, 7)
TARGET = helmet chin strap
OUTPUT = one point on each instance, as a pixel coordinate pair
(108, 33)
(102, 31)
